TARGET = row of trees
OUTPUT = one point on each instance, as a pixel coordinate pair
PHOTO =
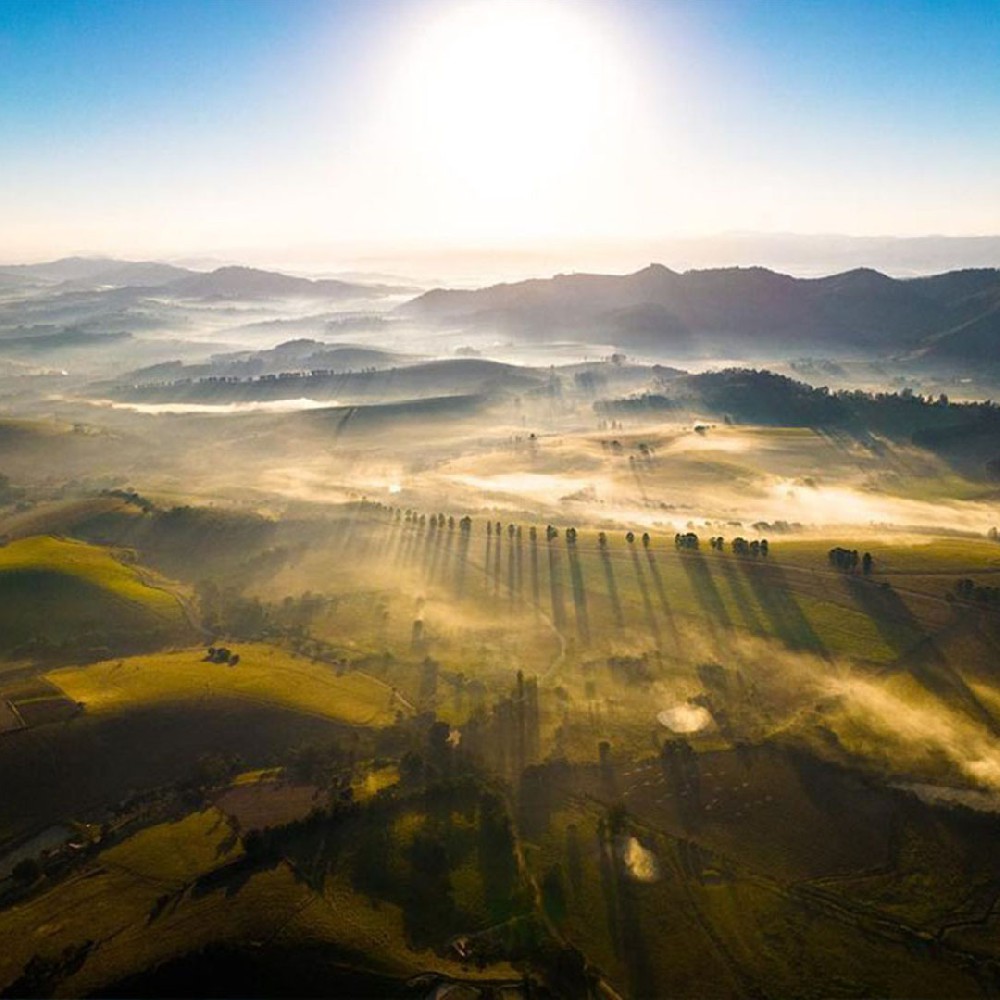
(741, 547)
(969, 590)
(848, 560)
(687, 540)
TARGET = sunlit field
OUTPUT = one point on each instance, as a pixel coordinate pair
(499, 500)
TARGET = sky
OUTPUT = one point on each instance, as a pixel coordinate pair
(168, 127)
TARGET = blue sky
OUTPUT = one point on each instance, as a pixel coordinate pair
(180, 125)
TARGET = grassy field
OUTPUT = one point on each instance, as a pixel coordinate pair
(60, 592)
(712, 918)
(177, 887)
(265, 674)
(145, 901)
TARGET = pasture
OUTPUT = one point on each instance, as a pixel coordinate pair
(64, 597)
(265, 675)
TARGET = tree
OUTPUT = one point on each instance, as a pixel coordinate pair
(645, 539)
(602, 540)
(27, 871)
(866, 564)
(630, 537)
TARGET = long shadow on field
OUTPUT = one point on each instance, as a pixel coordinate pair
(895, 622)
(536, 596)
(434, 556)
(579, 594)
(391, 554)
(773, 592)
(741, 594)
(403, 546)
(497, 559)
(423, 556)
(519, 567)
(923, 659)
(462, 561)
(609, 889)
(231, 877)
(448, 555)
(705, 590)
(647, 604)
(556, 587)
(609, 576)
(640, 973)
(622, 906)
(511, 569)
(488, 562)
(661, 593)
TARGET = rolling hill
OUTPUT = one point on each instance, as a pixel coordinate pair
(66, 596)
(252, 283)
(748, 310)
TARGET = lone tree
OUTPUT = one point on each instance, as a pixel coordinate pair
(866, 564)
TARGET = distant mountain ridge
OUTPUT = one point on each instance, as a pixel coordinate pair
(236, 282)
(951, 316)
(228, 282)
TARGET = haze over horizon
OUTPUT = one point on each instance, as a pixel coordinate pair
(334, 134)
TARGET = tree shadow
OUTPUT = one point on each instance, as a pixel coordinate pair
(609, 888)
(488, 563)
(511, 570)
(771, 588)
(742, 596)
(497, 561)
(647, 604)
(579, 594)
(556, 587)
(536, 596)
(894, 621)
(609, 576)
(705, 590)
(461, 561)
(661, 594)
(405, 548)
(434, 555)
(923, 659)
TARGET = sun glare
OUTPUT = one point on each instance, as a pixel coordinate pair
(510, 108)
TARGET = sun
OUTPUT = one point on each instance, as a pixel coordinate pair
(508, 109)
